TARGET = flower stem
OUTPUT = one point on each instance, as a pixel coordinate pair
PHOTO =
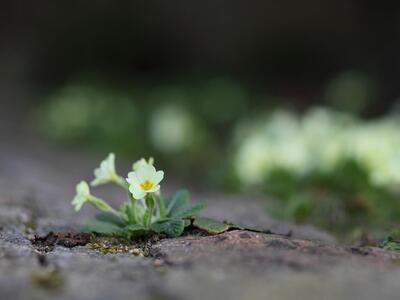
(102, 205)
(150, 207)
(130, 197)
(132, 205)
(122, 183)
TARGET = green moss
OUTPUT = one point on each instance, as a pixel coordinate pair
(114, 245)
(49, 279)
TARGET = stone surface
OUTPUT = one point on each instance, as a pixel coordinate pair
(37, 183)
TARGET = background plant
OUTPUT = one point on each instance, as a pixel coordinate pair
(327, 168)
(322, 166)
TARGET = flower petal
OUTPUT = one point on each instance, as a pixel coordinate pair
(158, 177)
(140, 163)
(145, 172)
(82, 188)
(77, 202)
(154, 189)
(97, 181)
(111, 163)
(136, 192)
(132, 178)
(106, 171)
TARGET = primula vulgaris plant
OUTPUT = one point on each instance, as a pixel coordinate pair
(145, 211)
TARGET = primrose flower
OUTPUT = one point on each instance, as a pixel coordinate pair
(82, 195)
(144, 180)
(142, 162)
(106, 172)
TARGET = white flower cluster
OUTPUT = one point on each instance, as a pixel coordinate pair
(317, 142)
(143, 180)
(144, 211)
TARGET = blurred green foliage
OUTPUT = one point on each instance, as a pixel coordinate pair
(392, 242)
(343, 201)
(184, 124)
(96, 116)
(324, 167)
(351, 91)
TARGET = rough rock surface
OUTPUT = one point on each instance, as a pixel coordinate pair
(37, 183)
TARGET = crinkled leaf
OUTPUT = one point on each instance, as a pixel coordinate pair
(102, 227)
(135, 230)
(210, 225)
(177, 201)
(171, 227)
(109, 218)
(187, 210)
(134, 227)
(390, 245)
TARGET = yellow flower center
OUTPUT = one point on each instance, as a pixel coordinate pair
(146, 185)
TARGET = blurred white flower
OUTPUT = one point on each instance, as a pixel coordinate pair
(171, 129)
(376, 146)
(82, 195)
(267, 145)
(106, 172)
(319, 142)
(324, 134)
(145, 179)
(252, 161)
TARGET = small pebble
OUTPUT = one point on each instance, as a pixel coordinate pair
(158, 263)
(135, 251)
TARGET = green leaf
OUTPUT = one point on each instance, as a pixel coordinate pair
(171, 227)
(129, 212)
(149, 201)
(210, 225)
(161, 206)
(110, 218)
(187, 210)
(395, 235)
(140, 212)
(390, 245)
(178, 200)
(135, 230)
(134, 227)
(146, 217)
(187, 222)
(102, 227)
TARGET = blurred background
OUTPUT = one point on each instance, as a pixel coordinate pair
(296, 100)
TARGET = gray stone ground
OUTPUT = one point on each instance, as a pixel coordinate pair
(37, 182)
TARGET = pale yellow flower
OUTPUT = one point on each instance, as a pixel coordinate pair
(144, 180)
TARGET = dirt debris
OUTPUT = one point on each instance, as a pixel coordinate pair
(66, 239)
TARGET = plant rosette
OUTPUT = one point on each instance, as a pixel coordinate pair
(145, 211)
